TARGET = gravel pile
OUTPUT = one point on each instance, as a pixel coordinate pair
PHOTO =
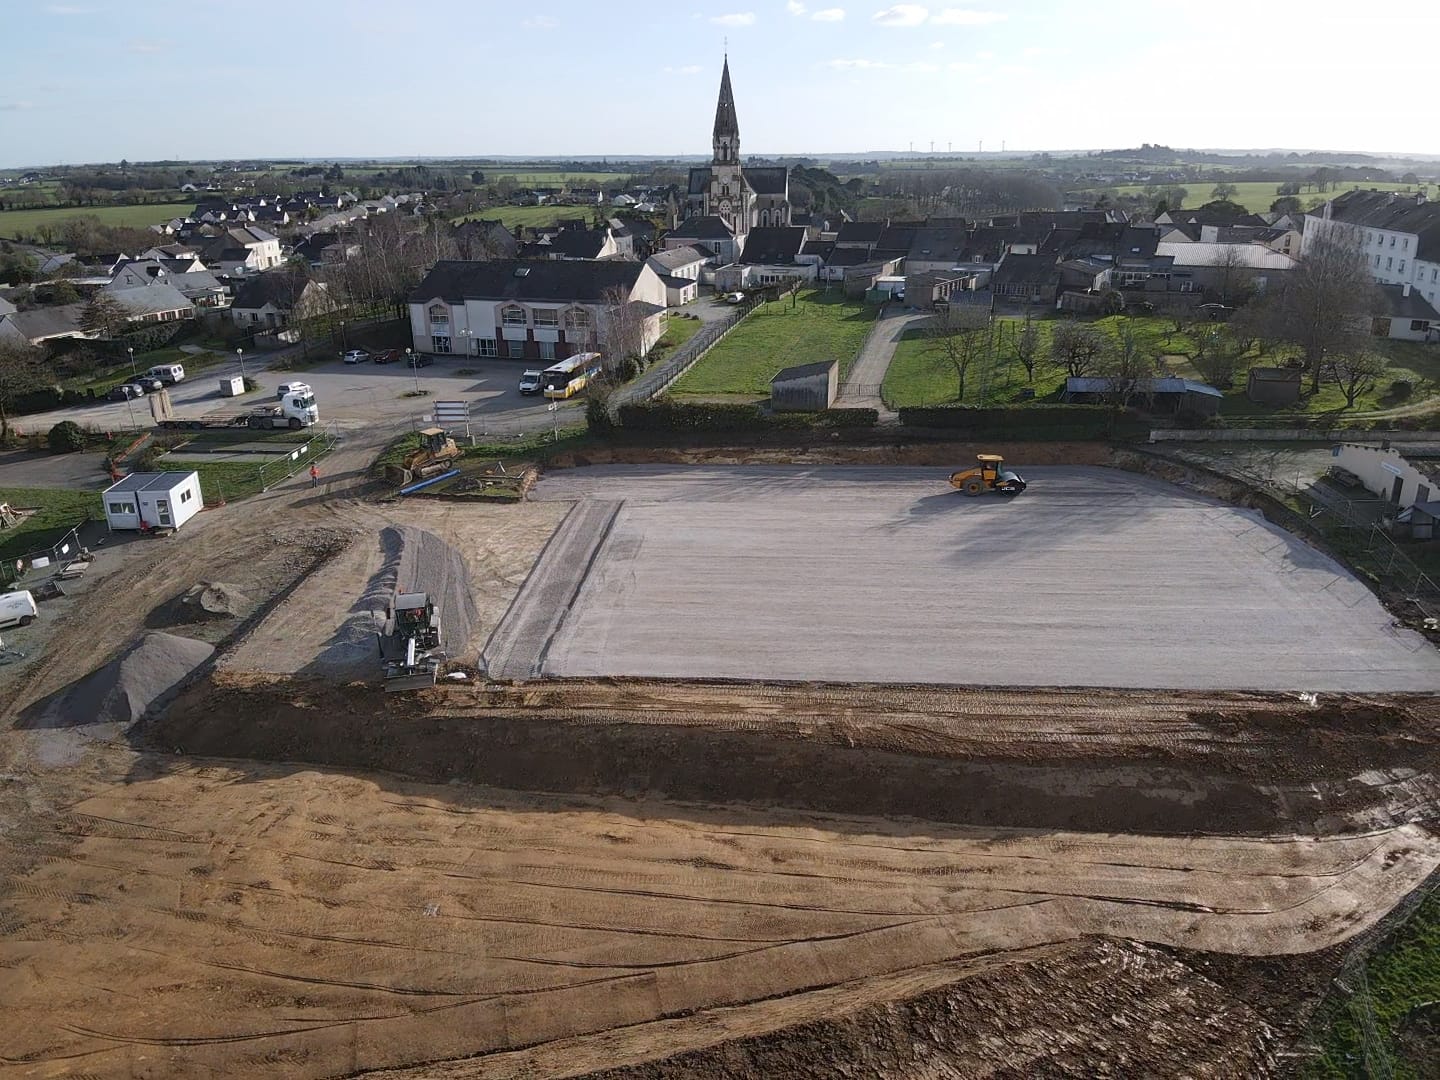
(125, 688)
(413, 560)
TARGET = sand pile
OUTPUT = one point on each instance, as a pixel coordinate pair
(122, 690)
(413, 560)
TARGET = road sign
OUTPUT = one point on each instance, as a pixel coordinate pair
(453, 414)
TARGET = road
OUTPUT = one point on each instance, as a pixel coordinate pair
(1091, 578)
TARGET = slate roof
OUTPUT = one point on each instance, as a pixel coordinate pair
(850, 257)
(579, 243)
(773, 244)
(767, 179)
(675, 258)
(564, 280)
(802, 371)
(938, 243)
(1026, 269)
(1397, 305)
(704, 227)
(823, 248)
(48, 322)
(699, 180)
(860, 232)
(151, 299)
(726, 123)
(1396, 212)
(279, 287)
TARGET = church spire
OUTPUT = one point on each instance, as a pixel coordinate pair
(727, 128)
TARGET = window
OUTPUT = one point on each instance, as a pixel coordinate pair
(1402, 266)
(486, 346)
(1405, 244)
(547, 350)
(516, 348)
(1389, 261)
(1419, 326)
(121, 508)
(1433, 274)
(440, 315)
(1377, 260)
(1392, 241)
(440, 344)
(512, 316)
(547, 317)
(577, 319)
(185, 495)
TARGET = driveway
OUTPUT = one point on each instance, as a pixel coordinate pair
(862, 388)
(82, 472)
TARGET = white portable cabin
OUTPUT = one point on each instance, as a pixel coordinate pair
(158, 500)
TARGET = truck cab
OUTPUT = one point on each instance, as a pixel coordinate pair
(295, 410)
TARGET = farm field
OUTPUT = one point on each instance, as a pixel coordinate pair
(18, 223)
(819, 326)
(515, 217)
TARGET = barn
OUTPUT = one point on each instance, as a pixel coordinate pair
(805, 387)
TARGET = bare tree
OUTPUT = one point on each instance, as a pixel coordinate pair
(104, 316)
(1355, 373)
(959, 337)
(624, 332)
(21, 371)
(1077, 348)
(1324, 307)
(1027, 347)
(1231, 272)
(1178, 317)
(1126, 365)
(1217, 355)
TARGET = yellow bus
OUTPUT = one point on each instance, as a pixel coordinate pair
(570, 376)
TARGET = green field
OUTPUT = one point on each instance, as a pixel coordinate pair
(17, 223)
(1256, 196)
(774, 336)
(514, 217)
(546, 178)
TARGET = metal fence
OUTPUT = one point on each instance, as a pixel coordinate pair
(660, 377)
(67, 547)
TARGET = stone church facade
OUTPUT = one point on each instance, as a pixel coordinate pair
(743, 198)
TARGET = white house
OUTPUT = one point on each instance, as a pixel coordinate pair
(1398, 234)
(1404, 315)
(242, 250)
(1386, 473)
(535, 310)
(152, 500)
(679, 268)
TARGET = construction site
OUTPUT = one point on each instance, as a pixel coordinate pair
(710, 764)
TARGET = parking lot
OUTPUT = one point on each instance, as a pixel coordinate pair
(1091, 578)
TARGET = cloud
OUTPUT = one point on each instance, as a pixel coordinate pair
(541, 22)
(688, 69)
(831, 14)
(966, 17)
(16, 106)
(737, 18)
(902, 15)
(859, 65)
(68, 9)
(794, 7)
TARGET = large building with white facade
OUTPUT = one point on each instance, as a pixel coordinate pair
(534, 310)
(1397, 232)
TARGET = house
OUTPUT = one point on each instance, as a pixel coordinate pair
(926, 289)
(1157, 395)
(708, 230)
(481, 239)
(272, 300)
(768, 258)
(1405, 315)
(241, 250)
(679, 269)
(1398, 234)
(1215, 267)
(805, 387)
(574, 240)
(1026, 278)
(39, 325)
(164, 500)
(1274, 385)
(1387, 474)
(187, 276)
(938, 246)
(537, 310)
(158, 301)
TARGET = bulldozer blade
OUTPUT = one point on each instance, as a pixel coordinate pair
(421, 681)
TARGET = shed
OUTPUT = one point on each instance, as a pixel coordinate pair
(1422, 518)
(163, 500)
(1156, 395)
(1273, 385)
(805, 387)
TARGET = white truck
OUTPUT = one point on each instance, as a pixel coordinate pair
(295, 410)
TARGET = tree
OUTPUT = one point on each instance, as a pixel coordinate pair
(1324, 307)
(1286, 204)
(1225, 206)
(104, 316)
(1216, 356)
(21, 371)
(66, 438)
(624, 328)
(959, 337)
(1125, 363)
(1355, 372)
(1077, 348)
(1223, 192)
(1231, 273)
(1027, 347)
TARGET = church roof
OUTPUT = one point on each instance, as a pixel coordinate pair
(726, 125)
(768, 180)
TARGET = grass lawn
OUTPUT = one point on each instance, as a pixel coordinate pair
(677, 332)
(15, 223)
(231, 480)
(532, 447)
(60, 511)
(1257, 195)
(514, 217)
(774, 336)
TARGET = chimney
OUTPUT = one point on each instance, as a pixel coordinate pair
(1405, 289)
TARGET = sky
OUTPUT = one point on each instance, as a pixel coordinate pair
(101, 80)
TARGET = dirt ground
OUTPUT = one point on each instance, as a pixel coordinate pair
(288, 876)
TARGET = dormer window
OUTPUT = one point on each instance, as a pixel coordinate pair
(440, 314)
(512, 316)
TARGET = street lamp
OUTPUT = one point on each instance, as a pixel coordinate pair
(344, 345)
(131, 350)
(241, 354)
(412, 359)
(465, 342)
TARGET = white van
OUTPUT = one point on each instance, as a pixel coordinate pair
(169, 374)
(17, 609)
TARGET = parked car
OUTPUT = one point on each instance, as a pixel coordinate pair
(169, 374)
(420, 359)
(386, 357)
(356, 356)
(17, 608)
(126, 391)
(150, 384)
(735, 298)
(530, 382)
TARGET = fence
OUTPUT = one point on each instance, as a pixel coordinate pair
(13, 568)
(660, 377)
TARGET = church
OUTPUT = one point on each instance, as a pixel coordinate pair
(740, 197)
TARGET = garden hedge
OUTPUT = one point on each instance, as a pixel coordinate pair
(685, 418)
(1034, 421)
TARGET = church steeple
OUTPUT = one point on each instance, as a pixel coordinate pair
(727, 129)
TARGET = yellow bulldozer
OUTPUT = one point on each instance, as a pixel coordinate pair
(436, 453)
(989, 475)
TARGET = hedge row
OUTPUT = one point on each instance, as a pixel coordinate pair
(1029, 421)
(673, 417)
(47, 398)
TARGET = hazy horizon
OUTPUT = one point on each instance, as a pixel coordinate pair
(463, 80)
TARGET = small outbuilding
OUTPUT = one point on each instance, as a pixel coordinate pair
(1167, 395)
(1273, 385)
(163, 500)
(805, 387)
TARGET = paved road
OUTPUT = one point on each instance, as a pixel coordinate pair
(1091, 578)
(862, 388)
(83, 472)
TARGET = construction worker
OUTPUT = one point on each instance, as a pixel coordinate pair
(314, 474)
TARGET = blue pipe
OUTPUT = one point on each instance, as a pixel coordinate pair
(426, 483)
